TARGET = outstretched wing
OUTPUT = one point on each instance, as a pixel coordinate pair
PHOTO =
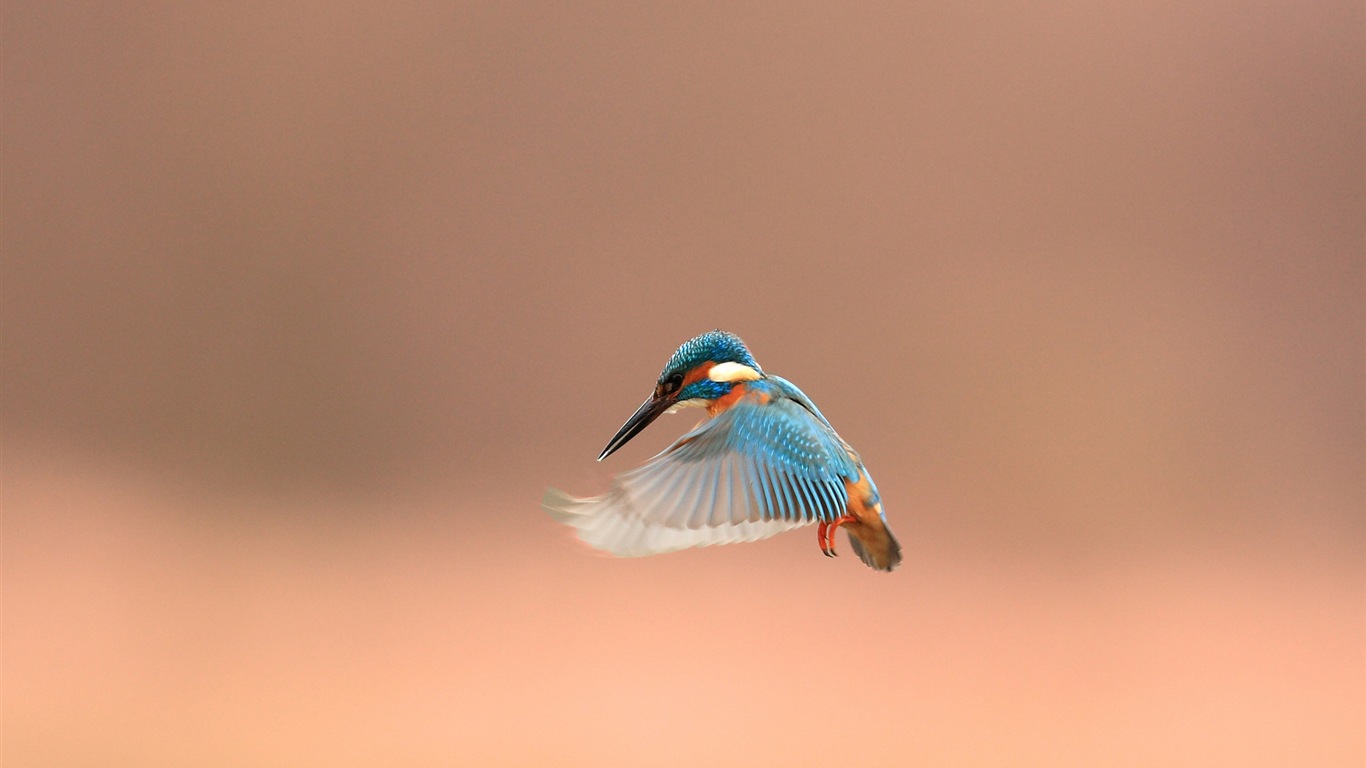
(755, 470)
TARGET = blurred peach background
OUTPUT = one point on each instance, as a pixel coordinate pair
(305, 304)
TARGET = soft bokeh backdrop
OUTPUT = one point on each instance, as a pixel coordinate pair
(305, 304)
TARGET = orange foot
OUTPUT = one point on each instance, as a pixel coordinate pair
(825, 534)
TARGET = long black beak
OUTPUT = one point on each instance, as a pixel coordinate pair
(646, 413)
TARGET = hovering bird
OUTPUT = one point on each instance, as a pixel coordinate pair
(763, 462)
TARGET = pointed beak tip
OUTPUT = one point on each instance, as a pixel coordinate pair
(646, 413)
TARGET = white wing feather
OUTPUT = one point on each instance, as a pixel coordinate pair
(752, 472)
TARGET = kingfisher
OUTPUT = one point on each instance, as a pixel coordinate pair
(763, 461)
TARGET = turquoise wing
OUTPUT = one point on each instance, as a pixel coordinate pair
(755, 470)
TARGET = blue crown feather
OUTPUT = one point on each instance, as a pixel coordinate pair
(717, 346)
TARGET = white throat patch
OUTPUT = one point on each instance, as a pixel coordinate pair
(681, 404)
(732, 372)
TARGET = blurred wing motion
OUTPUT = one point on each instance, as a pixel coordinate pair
(755, 470)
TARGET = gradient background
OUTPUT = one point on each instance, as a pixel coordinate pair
(305, 304)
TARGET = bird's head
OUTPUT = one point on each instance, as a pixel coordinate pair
(705, 368)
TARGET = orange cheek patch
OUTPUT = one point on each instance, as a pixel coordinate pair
(699, 373)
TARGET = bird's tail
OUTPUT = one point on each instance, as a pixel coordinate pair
(875, 546)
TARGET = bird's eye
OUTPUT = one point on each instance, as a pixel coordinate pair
(673, 383)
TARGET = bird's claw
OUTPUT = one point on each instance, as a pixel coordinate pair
(825, 534)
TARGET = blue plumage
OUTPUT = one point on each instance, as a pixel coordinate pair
(717, 346)
(766, 461)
